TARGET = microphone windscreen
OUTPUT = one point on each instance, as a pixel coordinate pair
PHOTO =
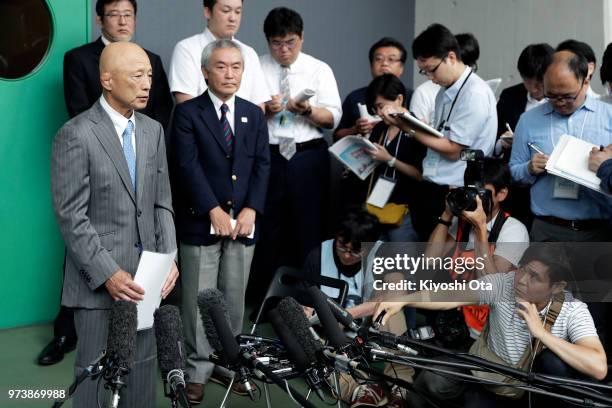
(169, 338)
(121, 340)
(293, 315)
(330, 324)
(294, 350)
(215, 320)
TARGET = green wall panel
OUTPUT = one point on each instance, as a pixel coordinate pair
(32, 109)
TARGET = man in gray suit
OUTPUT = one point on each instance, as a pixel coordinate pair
(111, 196)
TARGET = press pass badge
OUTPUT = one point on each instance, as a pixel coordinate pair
(381, 192)
(430, 164)
(565, 189)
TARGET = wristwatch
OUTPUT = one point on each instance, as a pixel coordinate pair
(391, 163)
(444, 222)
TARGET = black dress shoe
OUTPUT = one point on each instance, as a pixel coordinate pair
(54, 351)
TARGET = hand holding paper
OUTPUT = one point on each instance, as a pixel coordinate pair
(304, 95)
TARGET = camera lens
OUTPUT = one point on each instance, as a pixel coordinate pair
(460, 199)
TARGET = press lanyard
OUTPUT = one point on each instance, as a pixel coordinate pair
(441, 125)
(550, 128)
(399, 139)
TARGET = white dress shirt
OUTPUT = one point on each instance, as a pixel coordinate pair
(423, 102)
(185, 75)
(120, 122)
(230, 105)
(305, 72)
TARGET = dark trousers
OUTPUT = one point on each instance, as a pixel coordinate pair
(295, 214)
(427, 208)
(436, 390)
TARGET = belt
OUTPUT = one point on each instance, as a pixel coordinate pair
(576, 225)
(310, 144)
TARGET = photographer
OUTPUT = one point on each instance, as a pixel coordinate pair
(485, 232)
(529, 306)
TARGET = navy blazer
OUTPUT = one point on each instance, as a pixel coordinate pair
(510, 107)
(204, 172)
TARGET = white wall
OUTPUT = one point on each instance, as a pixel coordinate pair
(504, 27)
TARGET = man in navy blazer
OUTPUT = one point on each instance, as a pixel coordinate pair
(220, 167)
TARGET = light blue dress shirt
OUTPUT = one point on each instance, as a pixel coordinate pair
(472, 123)
(543, 127)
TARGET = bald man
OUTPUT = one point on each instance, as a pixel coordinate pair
(564, 211)
(111, 197)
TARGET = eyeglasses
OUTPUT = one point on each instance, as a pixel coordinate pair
(380, 59)
(277, 44)
(433, 70)
(564, 98)
(341, 247)
(117, 16)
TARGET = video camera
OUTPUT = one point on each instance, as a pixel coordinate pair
(464, 198)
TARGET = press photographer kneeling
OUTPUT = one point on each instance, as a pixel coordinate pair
(474, 226)
(534, 324)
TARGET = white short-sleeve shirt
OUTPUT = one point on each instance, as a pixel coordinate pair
(423, 101)
(185, 74)
(305, 72)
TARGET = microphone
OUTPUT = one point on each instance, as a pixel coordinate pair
(215, 320)
(170, 357)
(290, 334)
(330, 324)
(341, 314)
(120, 345)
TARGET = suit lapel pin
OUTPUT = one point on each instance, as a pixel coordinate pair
(244, 119)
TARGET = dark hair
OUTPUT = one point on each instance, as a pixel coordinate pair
(435, 41)
(388, 42)
(282, 21)
(470, 50)
(534, 60)
(578, 48)
(388, 86)
(100, 4)
(357, 226)
(554, 256)
(605, 71)
(209, 4)
(494, 172)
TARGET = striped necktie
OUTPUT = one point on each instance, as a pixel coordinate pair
(227, 129)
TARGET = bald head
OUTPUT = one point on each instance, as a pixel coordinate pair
(565, 80)
(125, 75)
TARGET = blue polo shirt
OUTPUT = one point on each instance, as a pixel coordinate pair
(543, 126)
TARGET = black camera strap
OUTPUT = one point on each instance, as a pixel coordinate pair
(464, 228)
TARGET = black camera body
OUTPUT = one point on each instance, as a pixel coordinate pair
(464, 198)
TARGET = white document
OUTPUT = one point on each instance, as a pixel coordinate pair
(304, 95)
(416, 124)
(364, 114)
(352, 152)
(153, 269)
(381, 192)
(570, 160)
(233, 223)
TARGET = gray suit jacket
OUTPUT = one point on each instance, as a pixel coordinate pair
(103, 222)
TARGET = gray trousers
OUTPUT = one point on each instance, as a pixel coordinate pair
(139, 390)
(225, 266)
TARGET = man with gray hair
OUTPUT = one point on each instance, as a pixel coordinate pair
(220, 164)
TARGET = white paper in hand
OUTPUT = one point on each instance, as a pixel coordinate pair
(153, 269)
(233, 223)
(304, 95)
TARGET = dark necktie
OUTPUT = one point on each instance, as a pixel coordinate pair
(227, 129)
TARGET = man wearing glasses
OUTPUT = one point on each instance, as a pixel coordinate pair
(564, 211)
(299, 176)
(82, 88)
(465, 113)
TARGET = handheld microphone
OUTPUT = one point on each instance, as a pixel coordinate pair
(330, 324)
(120, 345)
(290, 337)
(215, 320)
(341, 314)
(170, 346)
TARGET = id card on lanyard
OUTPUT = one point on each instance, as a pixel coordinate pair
(563, 188)
(379, 197)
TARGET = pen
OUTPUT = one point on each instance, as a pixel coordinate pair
(535, 148)
(509, 128)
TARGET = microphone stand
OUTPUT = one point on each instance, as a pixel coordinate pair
(94, 369)
(178, 397)
(114, 382)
